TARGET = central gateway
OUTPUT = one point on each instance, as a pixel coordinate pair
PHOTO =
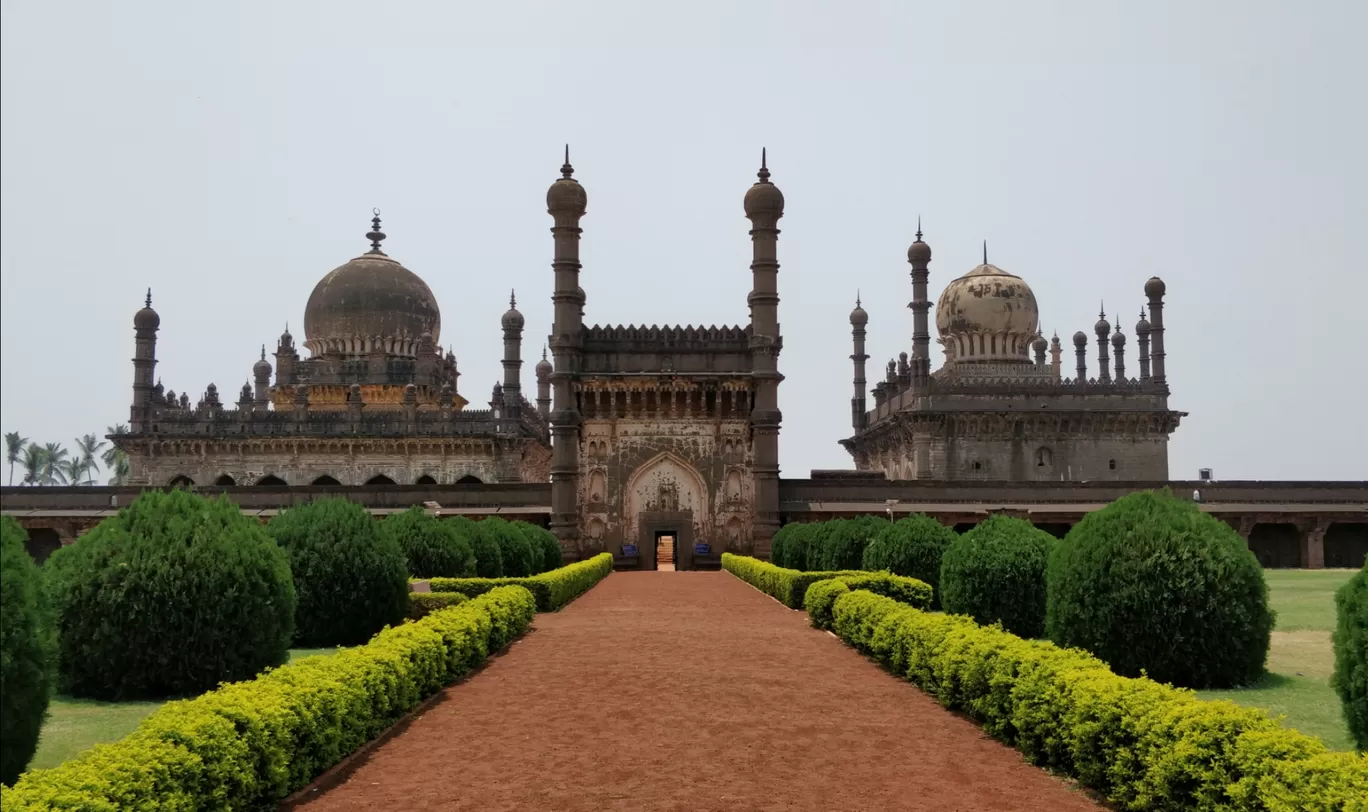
(665, 432)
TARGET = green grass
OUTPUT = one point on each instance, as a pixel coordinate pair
(1300, 658)
(76, 725)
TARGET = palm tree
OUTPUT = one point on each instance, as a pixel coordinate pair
(33, 462)
(14, 451)
(120, 470)
(87, 447)
(54, 456)
(72, 471)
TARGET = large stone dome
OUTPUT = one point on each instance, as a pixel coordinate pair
(371, 302)
(987, 315)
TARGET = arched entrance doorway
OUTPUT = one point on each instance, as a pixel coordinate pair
(665, 499)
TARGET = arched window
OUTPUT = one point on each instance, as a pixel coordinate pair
(425, 479)
(225, 481)
(1111, 464)
(182, 481)
(1044, 457)
(271, 481)
(469, 479)
(380, 479)
(325, 480)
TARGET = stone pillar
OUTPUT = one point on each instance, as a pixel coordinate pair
(919, 257)
(1154, 290)
(764, 205)
(1056, 357)
(146, 322)
(1313, 543)
(566, 202)
(544, 370)
(261, 379)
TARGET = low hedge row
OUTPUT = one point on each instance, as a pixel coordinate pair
(249, 744)
(552, 589)
(1144, 745)
(821, 596)
(790, 587)
(422, 604)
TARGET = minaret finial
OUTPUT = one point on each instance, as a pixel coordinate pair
(567, 170)
(512, 299)
(543, 352)
(1102, 309)
(985, 252)
(764, 172)
(919, 233)
(148, 301)
(857, 297)
(375, 235)
(263, 352)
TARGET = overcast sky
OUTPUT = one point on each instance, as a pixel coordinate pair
(228, 155)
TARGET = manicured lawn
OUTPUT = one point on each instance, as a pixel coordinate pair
(1301, 658)
(76, 725)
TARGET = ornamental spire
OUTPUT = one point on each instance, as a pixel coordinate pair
(764, 173)
(148, 301)
(376, 236)
(567, 170)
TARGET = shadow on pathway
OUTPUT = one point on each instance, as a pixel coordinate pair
(690, 691)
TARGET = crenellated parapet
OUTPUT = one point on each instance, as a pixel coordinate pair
(654, 337)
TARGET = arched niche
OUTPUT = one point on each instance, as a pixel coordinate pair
(469, 479)
(270, 481)
(598, 488)
(181, 481)
(425, 479)
(380, 479)
(325, 480)
(225, 481)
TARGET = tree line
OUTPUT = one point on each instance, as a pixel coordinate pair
(54, 464)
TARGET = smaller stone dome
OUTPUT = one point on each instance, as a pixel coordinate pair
(764, 198)
(1155, 287)
(544, 368)
(1040, 344)
(262, 368)
(1103, 327)
(1118, 339)
(147, 318)
(566, 195)
(1142, 326)
(858, 316)
(1080, 339)
(513, 320)
(919, 253)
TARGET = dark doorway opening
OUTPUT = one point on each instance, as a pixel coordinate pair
(270, 481)
(425, 479)
(1277, 546)
(1057, 529)
(965, 527)
(225, 481)
(667, 547)
(42, 542)
(469, 479)
(182, 481)
(326, 480)
(379, 479)
(1346, 545)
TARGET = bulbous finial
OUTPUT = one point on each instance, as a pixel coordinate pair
(147, 318)
(1102, 327)
(919, 252)
(376, 236)
(763, 199)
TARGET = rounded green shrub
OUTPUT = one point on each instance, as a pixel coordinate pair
(996, 573)
(352, 579)
(488, 558)
(545, 546)
(911, 546)
(27, 652)
(431, 547)
(171, 596)
(519, 558)
(1351, 654)
(844, 541)
(1152, 584)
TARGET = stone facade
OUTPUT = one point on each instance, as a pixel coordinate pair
(376, 403)
(991, 411)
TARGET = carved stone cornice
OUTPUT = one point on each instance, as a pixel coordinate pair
(154, 446)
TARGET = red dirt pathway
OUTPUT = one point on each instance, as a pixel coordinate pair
(690, 691)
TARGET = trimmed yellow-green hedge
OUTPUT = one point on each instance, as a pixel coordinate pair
(790, 587)
(552, 589)
(247, 745)
(821, 596)
(1143, 745)
(422, 604)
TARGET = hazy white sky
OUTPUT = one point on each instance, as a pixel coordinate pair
(228, 155)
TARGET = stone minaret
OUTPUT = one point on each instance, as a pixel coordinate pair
(512, 358)
(1142, 333)
(146, 322)
(1038, 346)
(1118, 341)
(858, 319)
(764, 205)
(1154, 290)
(919, 256)
(1081, 350)
(566, 202)
(285, 356)
(1056, 356)
(1103, 330)
(544, 386)
(261, 378)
